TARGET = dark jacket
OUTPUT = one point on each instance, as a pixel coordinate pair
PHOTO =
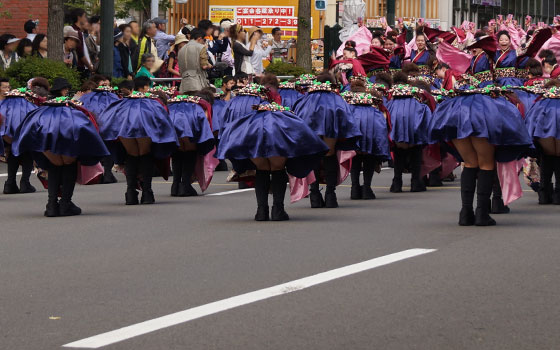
(125, 55)
(239, 52)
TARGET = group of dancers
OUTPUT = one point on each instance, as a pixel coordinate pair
(404, 105)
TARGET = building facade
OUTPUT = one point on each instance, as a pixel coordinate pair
(14, 13)
(481, 11)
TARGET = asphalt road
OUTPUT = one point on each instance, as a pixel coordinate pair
(66, 279)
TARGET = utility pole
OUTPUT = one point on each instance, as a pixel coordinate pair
(107, 42)
(154, 8)
(391, 12)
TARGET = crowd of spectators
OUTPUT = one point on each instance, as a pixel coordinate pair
(196, 55)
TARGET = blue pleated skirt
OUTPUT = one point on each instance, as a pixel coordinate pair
(375, 135)
(97, 101)
(409, 119)
(543, 119)
(62, 130)
(477, 115)
(189, 120)
(527, 98)
(13, 110)
(218, 110)
(289, 97)
(272, 134)
(327, 114)
(139, 118)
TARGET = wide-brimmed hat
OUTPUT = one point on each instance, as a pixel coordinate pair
(180, 39)
(70, 32)
(60, 84)
(252, 30)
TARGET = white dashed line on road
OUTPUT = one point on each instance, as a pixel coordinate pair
(155, 324)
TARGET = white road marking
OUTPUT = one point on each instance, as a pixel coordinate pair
(230, 192)
(155, 324)
(6, 175)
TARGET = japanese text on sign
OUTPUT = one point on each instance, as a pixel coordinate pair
(265, 11)
(266, 22)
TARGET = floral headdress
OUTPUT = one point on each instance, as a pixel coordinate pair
(63, 101)
(184, 98)
(318, 86)
(22, 92)
(287, 85)
(170, 91)
(553, 92)
(253, 90)
(272, 107)
(138, 94)
(305, 79)
(104, 88)
(406, 90)
(361, 98)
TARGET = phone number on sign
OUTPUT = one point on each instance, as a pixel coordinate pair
(265, 11)
(264, 22)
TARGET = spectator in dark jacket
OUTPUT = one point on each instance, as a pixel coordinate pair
(126, 47)
(118, 71)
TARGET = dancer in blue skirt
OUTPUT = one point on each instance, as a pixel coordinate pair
(326, 113)
(140, 122)
(16, 105)
(273, 141)
(289, 93)
(484, 127)
(60, 133)
(543, 123)
(189, 117)
(96, 102)
(373, 146)
(410, 116)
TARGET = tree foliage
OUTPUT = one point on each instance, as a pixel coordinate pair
(122, 7)
(31, 67)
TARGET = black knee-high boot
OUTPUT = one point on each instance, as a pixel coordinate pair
(468, 186)
(147, 171)
(26, 169)
(416, 183)
(69, 176)
(54, 180)
(315, 196)
(356, 190)
(483, 193)
(398, 167)
(177, 168)
(435, 178)
(131, 168)
(545, 186)
(262, 186)
(498, 206)
(108, 177)
(189, 162)
(10, 186)
(279, 182)
(331, 178)
(556, 193)
(369, 168)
